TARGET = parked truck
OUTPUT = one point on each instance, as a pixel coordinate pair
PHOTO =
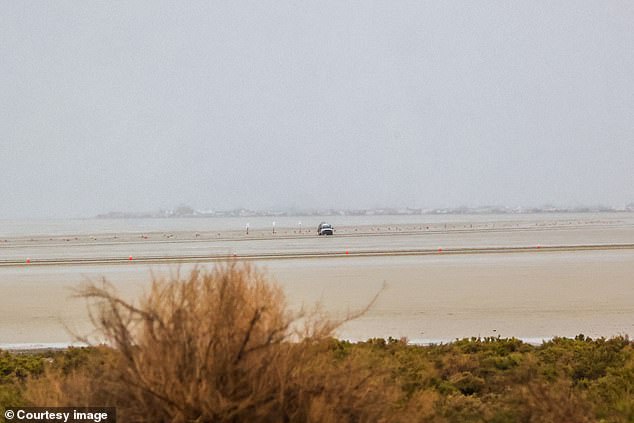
(325, 229)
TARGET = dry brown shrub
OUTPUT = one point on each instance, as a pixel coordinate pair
(422, 406)
(554, 402)
(78, 386)
(217, 345)
(454, 362)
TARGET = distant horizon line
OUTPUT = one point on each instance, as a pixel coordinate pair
(187, 211)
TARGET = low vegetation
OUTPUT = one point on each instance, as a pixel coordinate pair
(221, 345)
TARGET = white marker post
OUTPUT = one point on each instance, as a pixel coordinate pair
(273, 227)
(247, 228)
(300, 227)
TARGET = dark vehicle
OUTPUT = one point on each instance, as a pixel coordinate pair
(325, 229)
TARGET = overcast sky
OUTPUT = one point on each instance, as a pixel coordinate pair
(266, 104)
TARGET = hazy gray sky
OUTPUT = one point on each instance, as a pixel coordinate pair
(142, 105)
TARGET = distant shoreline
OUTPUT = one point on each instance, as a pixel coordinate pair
(188, 212)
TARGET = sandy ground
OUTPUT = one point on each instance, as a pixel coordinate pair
(535, 294)
(430, 298)
(386, 238)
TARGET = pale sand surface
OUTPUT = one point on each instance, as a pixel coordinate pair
(17, 251)
(531, 295)
(526, 295)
